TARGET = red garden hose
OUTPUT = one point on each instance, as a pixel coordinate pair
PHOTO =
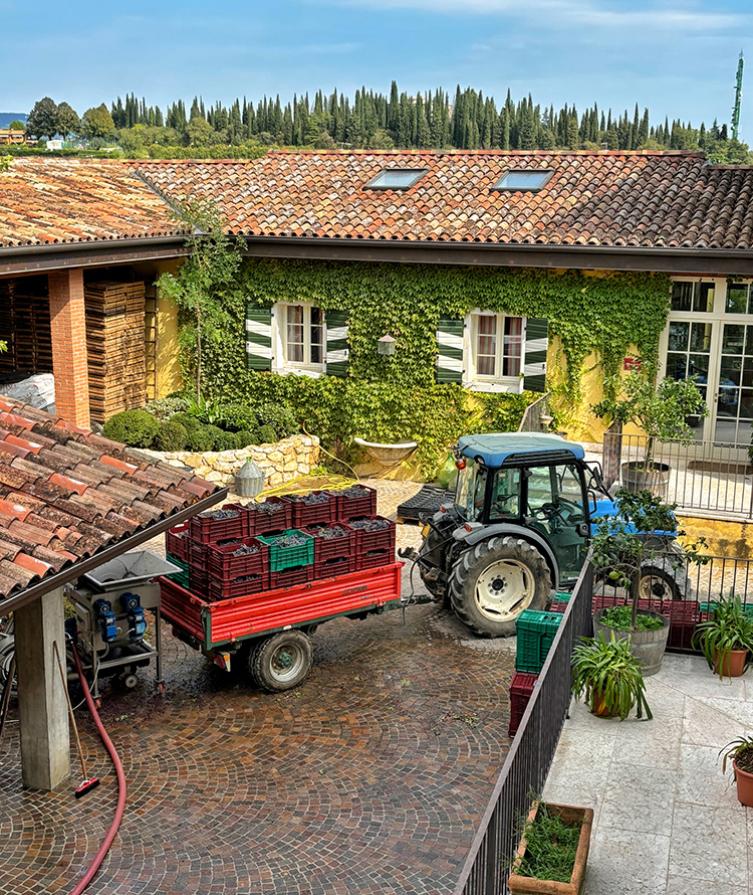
(115, 758)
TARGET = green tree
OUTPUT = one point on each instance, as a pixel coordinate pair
(68, 121)
(17, 125)
(43, 118)
(199, 131)
(97, 123)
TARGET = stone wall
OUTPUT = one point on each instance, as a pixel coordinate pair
(280, 462)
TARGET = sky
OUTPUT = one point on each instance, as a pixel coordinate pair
(678, 57)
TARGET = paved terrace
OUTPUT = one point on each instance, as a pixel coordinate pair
(667, 822)
(370, 778)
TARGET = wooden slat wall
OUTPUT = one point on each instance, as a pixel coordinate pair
(115, 322)
(25, 326)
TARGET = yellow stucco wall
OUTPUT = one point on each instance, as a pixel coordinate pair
(168, 377)
(730, 539)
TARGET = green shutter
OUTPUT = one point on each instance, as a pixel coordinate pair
(258, 338)
(534, 355)
(449, 350)
(338, 353)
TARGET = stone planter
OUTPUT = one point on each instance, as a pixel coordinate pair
(526, 885)
(647, 646)
(636, 476)
(280, 462)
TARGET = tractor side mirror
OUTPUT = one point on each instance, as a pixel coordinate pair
(596, 478)
(584, 529)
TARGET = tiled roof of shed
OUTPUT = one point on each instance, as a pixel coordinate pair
(56, 200)
(66, 493)
(607, 199)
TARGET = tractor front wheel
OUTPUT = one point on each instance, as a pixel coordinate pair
(494, 581)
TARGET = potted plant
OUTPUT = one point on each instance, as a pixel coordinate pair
(553, 851)
(662, 411)
(609, 678)
(726, 638)
(638, 548)
(740, 753)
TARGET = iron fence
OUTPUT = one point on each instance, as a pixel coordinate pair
(527, 764)
(706, 477)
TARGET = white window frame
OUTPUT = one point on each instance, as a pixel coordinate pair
(280, 362)
(480, 382)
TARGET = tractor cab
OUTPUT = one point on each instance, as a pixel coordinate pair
(535, 480)
(518, 527)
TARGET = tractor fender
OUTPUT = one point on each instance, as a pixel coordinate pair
(484, 532)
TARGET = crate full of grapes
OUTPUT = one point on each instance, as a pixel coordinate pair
(273, 514)
(289, 549)
(358, 500)
(312, 507)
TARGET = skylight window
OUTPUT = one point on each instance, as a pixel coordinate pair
(523, 181)
(396, 179)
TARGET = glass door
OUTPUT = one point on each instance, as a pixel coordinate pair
(733, 423)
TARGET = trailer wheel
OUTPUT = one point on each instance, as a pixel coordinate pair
(494, 581)
(281, 662)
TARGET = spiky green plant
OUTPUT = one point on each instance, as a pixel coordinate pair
(739, 751)
(728, 629)
(606, 670)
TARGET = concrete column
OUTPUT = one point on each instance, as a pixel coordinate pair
(43, 712)
(69, 357)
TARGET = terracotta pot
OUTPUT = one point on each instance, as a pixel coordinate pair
(526, 885)
(744, 781)
(733, 665)
(600, 707)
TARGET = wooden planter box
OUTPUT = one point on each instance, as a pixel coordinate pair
(526, 885)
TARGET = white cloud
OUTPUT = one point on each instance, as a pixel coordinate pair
(589, 13)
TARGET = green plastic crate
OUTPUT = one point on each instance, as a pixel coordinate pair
(535, 632)
(281, 557)
(181, 577)
(561, 596)
(712, 606)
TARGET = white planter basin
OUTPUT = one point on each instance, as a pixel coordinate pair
(387, 454)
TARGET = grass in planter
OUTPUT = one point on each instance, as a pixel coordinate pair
(551, 845)
(620, 618)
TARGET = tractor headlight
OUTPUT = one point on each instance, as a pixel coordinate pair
(425, 529)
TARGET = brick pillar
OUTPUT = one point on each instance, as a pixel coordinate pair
(69, 359)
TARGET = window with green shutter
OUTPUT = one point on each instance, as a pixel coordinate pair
(535, 348)
(338, 352)
(258, 338)
(450, 350)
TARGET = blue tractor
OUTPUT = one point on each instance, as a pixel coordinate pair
(518, 528)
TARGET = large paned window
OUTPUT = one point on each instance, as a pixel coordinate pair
(303, 337)
(496, 348)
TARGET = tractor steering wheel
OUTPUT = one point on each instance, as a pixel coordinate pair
(547, 512)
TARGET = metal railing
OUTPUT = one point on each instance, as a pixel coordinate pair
(527, 764)
(702, 477)
(536, 417)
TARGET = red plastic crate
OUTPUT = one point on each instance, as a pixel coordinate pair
(273, 514)
(337, 565)
(291, 577)
(177, 541)
(331, 548)
(380, 556)
(222, 589)
(521, 688)
(358, 500)
(371, 540)
(557, 607)
(215, 526)
(198, 581)
(223, 563)
(305, 514)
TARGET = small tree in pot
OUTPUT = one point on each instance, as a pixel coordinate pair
(662, 412)
(637, 548)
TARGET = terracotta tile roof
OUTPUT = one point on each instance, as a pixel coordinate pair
(58, 200)
(66, 493)
(642, 199)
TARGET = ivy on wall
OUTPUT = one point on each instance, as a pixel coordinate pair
(605, 315)
(602, 314)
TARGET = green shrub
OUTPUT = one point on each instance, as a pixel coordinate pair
(165, 408)
(137, 428)
(187, 420)
(235, 417)
(246, 437)
(204, 438)
(280, 417)
(172, 436)
(267, 434)
(225, 441)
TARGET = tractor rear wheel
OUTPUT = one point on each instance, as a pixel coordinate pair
(494, 581)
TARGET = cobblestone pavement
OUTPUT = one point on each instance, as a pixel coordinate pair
(370, 778)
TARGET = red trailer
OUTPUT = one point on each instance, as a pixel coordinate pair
(268, 635)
